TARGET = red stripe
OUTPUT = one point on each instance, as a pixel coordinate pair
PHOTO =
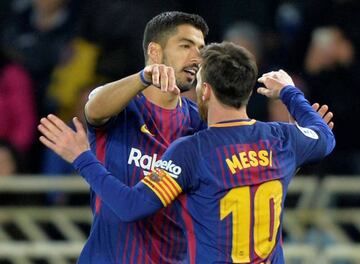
(272, 216)
(255, 172)
(134, 244)
(228, 237)
(222, 168)
(247, 175)
(100, 154)
(126, 243)
(265, 170)
(170, 187)
(168, 190)
(189, 229)
(231, 176)
(238, 173)
(169, 180)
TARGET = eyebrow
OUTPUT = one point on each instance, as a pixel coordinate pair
(191, 41)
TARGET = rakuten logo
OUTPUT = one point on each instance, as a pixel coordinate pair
(148, 163)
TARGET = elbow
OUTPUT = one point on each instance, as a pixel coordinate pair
(93, 115)
(331, 144)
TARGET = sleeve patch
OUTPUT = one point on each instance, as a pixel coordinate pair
(307, 132)
(163, 185)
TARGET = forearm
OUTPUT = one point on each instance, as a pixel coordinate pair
(112, 98)
(304, 114)
(128, 203)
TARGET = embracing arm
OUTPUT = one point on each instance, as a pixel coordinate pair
(280, 85)
(129, 203)
(110, 99)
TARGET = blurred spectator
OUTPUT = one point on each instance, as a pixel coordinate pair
(10, 163)
(76, 70)
(332, 74)
(52, 164)
(117, 27)
(17, 121)
(34, 36)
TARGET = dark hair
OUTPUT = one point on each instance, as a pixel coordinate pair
(231, 70)
(161, 26)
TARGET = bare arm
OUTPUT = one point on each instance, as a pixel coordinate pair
(110, 99)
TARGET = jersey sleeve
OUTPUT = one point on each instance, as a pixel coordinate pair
(173, 174)
(128, 203)
(311, 137)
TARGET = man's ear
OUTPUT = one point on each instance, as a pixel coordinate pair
(154, 53)
(207, 90)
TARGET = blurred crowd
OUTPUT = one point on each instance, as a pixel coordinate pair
(53, 53)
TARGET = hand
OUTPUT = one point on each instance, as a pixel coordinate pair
(62, 139)
(274, 82)
(325, 115)
(162, 76)
(323, 112)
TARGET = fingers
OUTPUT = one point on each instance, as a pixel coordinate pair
(171, 79)
(322, 110)
(325, 115)
(315, 106)
(155, 76)
(163, 77)
(47, 133)
(78, 125)
(164, 80)
(58, 122)
(48, 143)
(263, 91)
(327, 118)
(49, 127)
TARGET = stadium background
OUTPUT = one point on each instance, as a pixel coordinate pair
(52, 53)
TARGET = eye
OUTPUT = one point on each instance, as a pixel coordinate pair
(185, 46)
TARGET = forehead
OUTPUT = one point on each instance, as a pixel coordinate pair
(190, 33)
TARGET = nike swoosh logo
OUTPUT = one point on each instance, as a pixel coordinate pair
(145, 130)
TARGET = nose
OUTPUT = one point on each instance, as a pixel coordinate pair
(195, 55)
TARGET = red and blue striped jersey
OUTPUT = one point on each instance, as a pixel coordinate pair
(235, 175)
(230, 182)
(129, 145)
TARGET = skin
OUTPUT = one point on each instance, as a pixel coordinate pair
(69, 144)
(167, 69)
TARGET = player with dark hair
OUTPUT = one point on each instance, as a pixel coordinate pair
(235, 173)
(131, 122)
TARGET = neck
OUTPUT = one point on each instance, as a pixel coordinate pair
(165, 100)
(220, 113)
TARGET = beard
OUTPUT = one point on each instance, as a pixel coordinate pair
(184, 86)
(202, 106)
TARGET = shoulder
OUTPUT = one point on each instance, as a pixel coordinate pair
(189, 104)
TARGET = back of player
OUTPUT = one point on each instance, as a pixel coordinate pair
(236, 175)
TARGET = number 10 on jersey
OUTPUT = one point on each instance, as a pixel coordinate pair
(266, 211)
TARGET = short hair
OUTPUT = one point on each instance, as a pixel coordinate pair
(231, 70)
(160, 27)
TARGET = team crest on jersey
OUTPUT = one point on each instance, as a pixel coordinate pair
(156, 175)
(308, 132)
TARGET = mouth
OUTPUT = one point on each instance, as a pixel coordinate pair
(191, 71)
